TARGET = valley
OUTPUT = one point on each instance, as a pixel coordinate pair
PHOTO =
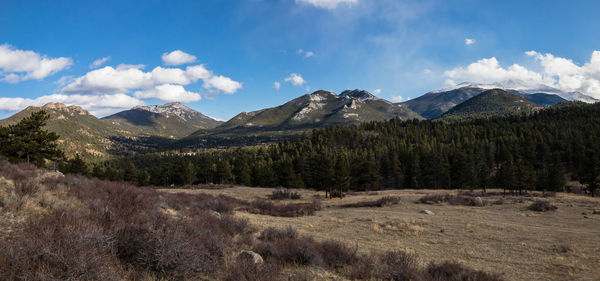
(505, 238)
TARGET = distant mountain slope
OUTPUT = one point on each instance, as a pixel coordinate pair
(319, 109)
(544, 99)
(172, 120)
(495, 102)
(435, 103)
(79, 131)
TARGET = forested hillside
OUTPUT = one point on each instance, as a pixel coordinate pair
(521, 152)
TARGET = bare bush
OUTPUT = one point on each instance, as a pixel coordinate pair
(264, 207)
(447, 198)
(283, 194)
(450, 271)
(383, 202)
(247, 270)
(542, 206)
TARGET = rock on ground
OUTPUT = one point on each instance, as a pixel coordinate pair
(250, 255)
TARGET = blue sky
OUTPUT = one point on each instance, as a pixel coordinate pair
(230, 54)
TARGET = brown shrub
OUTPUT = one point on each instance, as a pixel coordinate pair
(398, 265)
(336, 254)
(264, 207)
(542, 206)
(60, 246)
(295, 251)
(450, 271)
(447, 198)
(336, 193)
(247, 270)
(282, 194)
(382, 202)
(435, 198)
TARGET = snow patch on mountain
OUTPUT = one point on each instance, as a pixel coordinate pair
(173, 108)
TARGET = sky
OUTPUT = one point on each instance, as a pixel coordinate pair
(223, 57)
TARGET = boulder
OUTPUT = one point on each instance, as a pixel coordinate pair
(427, 212)
(587, 213)
(596, 212)
(478, 202)
(252, 256)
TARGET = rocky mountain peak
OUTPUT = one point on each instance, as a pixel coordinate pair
(361, 95)
(71, 109)
(172, 108)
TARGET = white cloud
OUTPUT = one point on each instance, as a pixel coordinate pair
(109, 80)
(177, 57)
(327, 4)
(277, 85)
(129, 78)
(168, 93)
(196, 72)
(305, 54)
(397, 98)
(18, 65)
(490, 71)
(96, 104)
(170, 75)
(99, 62)
(427, 71)
(556, 72)
(222, 83)
(470, 41)
(295, 79)
(376, 91)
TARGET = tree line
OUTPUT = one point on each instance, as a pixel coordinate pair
(524, 152)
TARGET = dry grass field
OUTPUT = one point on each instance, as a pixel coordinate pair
(502, 238)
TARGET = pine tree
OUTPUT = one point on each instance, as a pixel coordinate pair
(27, 141)
(75, 165)
(341, 181)
(224, 173)
(241, 171)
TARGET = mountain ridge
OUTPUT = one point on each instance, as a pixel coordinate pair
(318, 109)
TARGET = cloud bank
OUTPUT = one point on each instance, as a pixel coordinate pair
(19, 65)
(550, 71)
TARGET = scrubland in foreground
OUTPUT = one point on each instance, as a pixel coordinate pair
(504, 236)
(57, 227)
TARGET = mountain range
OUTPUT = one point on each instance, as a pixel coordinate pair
(433, 104)
(176, 125)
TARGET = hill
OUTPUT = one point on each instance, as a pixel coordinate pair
(494, 102)
(171, 120)
(79, 131)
